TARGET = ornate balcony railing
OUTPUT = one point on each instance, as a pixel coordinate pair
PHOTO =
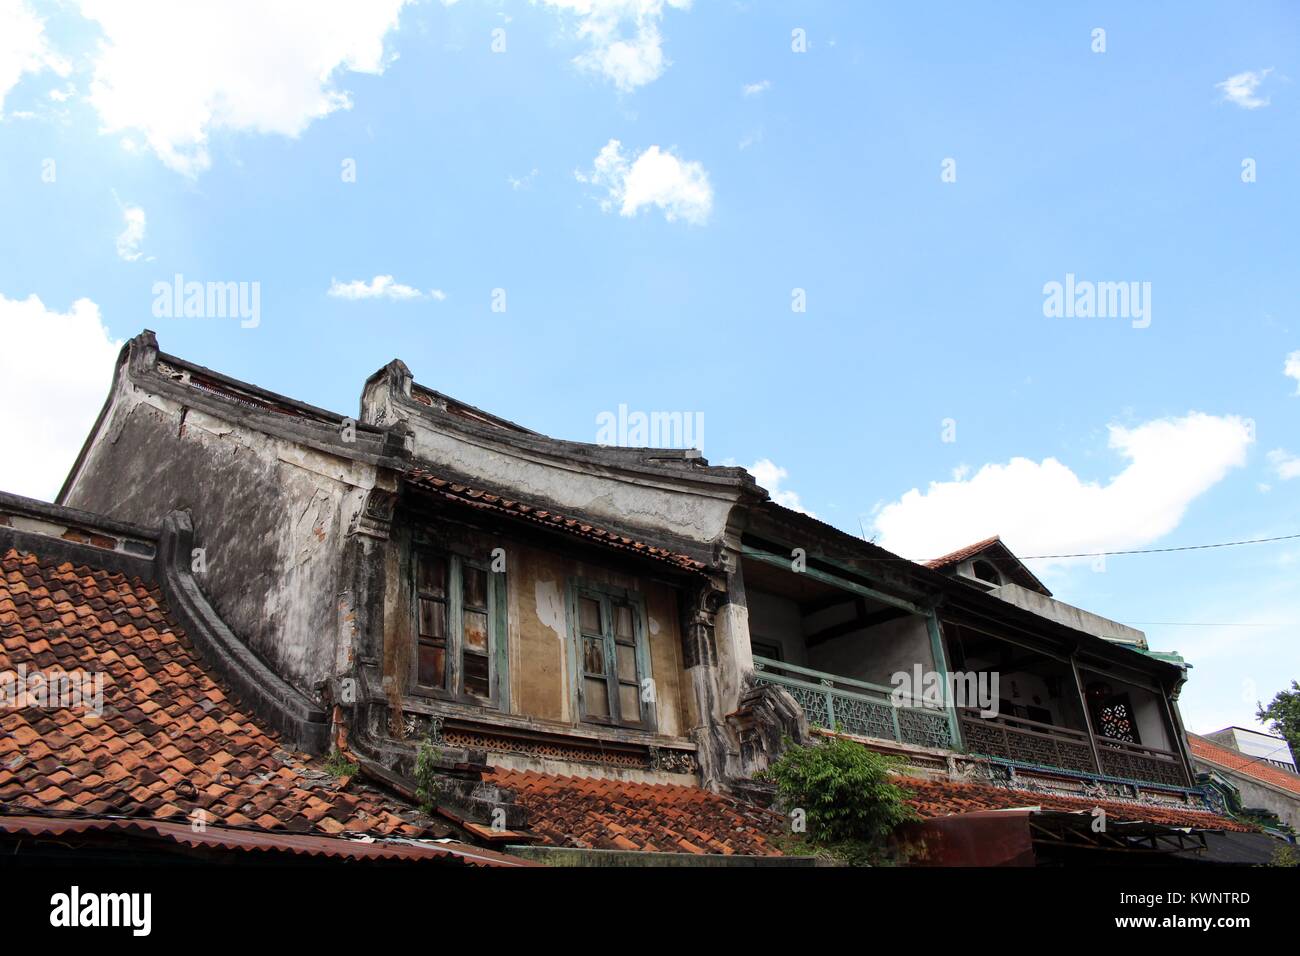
(1139, 762)
(857, 707)
(1027, 741)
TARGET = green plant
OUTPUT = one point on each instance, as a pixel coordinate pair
(1285, 855)
(845, 795)
(339, 765)
(426, 776)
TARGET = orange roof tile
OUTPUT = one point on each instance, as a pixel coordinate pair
(939, 798)
(620, 815)
(1250, 766)
(169, 742)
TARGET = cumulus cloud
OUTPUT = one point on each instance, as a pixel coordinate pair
(623, 38)
(132, 234)
(654, 177)
(176, 72)
(1240, 89)
(753, 89)
(1042, 507)
(1292, 369)
(60, 363)
(770, 476)
(1285, 465)
(380, 287)
(24, 47)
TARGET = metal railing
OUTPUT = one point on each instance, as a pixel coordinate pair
(858, 707)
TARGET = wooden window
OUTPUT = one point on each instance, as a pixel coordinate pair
(460, 628)
(612, 659)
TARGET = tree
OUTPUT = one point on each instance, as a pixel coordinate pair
(1283, 715)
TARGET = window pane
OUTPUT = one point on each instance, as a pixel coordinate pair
(476, 674)
(626, 657)
(594, 697)
(593, 661)
(589, 615)
(433, 619)
(431, 576)
(623, 621)
(629, 703)
(475, 586)
(432, 666)
(476, 629)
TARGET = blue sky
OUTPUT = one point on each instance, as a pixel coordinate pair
(659, 271)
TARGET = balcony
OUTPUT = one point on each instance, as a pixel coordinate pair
(1046, 745)
(857, 707)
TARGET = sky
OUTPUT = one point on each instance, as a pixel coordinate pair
(932, 272)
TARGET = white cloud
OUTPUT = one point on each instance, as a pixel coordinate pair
(23, 47)
(753, 89)
(380, 287)
(1044, 508)
(653, 178)
(1285, 464)
(1240, 89)
(56, 366)
(128, 241)
(1292, 369)
(770, 475)
(175, 72)
(522, 182)
(623, 35)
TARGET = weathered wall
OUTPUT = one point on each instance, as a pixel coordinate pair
(876, 654)
(269, 515)
(538, 628)
(777, 620)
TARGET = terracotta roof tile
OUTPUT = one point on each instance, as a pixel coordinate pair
(169, 741)
(617, 814)
(940, 798)
(1239, 762)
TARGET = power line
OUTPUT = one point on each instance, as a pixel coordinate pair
(1185, 547)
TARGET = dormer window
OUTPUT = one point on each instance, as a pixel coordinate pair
(986, 572)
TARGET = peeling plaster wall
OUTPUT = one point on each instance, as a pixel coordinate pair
(537, 628)
(269, 515)
(625, 501)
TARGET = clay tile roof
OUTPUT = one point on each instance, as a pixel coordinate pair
(473, 497)
(1262, 771)
(961, 554)
(169, 741)
(619, 815)
(941, 798)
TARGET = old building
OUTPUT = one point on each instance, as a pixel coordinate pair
(557, 628)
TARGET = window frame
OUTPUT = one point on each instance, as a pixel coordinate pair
(609, 596)
(456, 562)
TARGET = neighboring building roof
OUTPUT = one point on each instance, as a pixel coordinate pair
(486, 501)
(143, 833)
(1002, 557)
(169, 741)
(1254, 767)
(620, 815)
(939, 798)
